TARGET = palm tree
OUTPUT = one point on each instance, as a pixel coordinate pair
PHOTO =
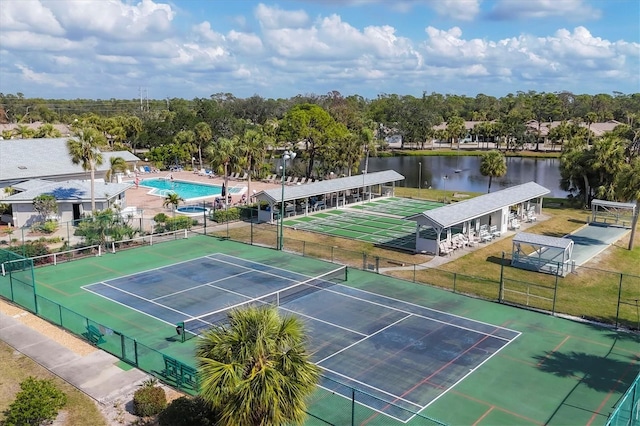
(493, 165)
(629, 189)
(203, 134)
(48, 131)
(172, 199)
(222, 153)
(253, 150)
(116, 164)
(25, 132)
(256, 370)
(84, 150)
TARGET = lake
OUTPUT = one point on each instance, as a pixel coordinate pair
(440, 173)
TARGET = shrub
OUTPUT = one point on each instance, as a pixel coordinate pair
(37, 402)
(187, 411)
(160, 218)
(149, 400)
(224, 215)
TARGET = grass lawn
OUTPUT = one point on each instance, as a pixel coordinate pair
(15, 367)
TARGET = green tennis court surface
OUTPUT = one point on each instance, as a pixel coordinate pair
(553, 372)
(379, 221)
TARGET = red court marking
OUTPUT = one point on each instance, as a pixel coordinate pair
(511, 413)
(426, 379)
(520, 361)
(552, 351)
(593, 342)
(611, 391)
(486, 413)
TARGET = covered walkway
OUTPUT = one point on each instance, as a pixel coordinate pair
(331, 193)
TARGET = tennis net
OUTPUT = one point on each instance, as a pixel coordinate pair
(195, 326)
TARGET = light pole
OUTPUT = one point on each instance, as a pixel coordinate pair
(193, 159)
(286, 156)
(445, 178)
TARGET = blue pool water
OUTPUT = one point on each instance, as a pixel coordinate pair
(186, 190)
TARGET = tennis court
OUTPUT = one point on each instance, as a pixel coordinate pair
(470, 361)
(348, 327)
(358, 225)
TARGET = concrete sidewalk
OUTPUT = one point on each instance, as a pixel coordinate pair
(96, 374)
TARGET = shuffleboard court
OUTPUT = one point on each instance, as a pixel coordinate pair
(359, 225)
(397, 206)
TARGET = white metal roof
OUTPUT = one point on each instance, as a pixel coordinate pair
(456, 213)
(605, 203)
(71, 190)
(297, 192)
(24, 159)
(542, 240)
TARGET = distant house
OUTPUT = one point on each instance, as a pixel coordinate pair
(35, 126)
(598, 129)
(73, 196)
(27, 159)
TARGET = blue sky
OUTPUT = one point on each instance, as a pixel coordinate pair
(106, 49)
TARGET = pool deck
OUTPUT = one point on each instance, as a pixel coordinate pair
(152, 204)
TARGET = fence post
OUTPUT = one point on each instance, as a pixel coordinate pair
(414, 272)
(455, 277)
(555, 296)
(251, 229)
(501, 290)
(353, 407)
(619, 296)
(304, 248)
(377, 264)
(364, 261)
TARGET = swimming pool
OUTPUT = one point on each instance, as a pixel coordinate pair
(192, 211)
(185, 189)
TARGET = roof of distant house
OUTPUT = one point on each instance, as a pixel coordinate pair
(44, 158)
(70, 190)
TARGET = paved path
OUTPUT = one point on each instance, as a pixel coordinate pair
(96, 374)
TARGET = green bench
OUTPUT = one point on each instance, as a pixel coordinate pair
(180, 373)
(94, 335)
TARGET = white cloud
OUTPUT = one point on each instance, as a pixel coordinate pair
(40, 78)
(28, 16)
(464, 10)
(540, 9)
(113, 19)
(130, 43)
(273, 17)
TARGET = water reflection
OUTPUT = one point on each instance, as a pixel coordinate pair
(463, 173)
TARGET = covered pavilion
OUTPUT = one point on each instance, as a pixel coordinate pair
(546, 254)
(330, 193)
(612, 213)
(481, 218)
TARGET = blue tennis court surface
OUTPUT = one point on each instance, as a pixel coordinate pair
(404, 355)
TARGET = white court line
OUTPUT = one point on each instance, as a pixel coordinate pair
(471, 370)
(405, 302)
(258, 263)
(419, 315)
(323, 321)
(130, 307)
(396, 397)
(362, 340)
(348, 398)
(148, 270)
(138, 297)
(210, 284)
